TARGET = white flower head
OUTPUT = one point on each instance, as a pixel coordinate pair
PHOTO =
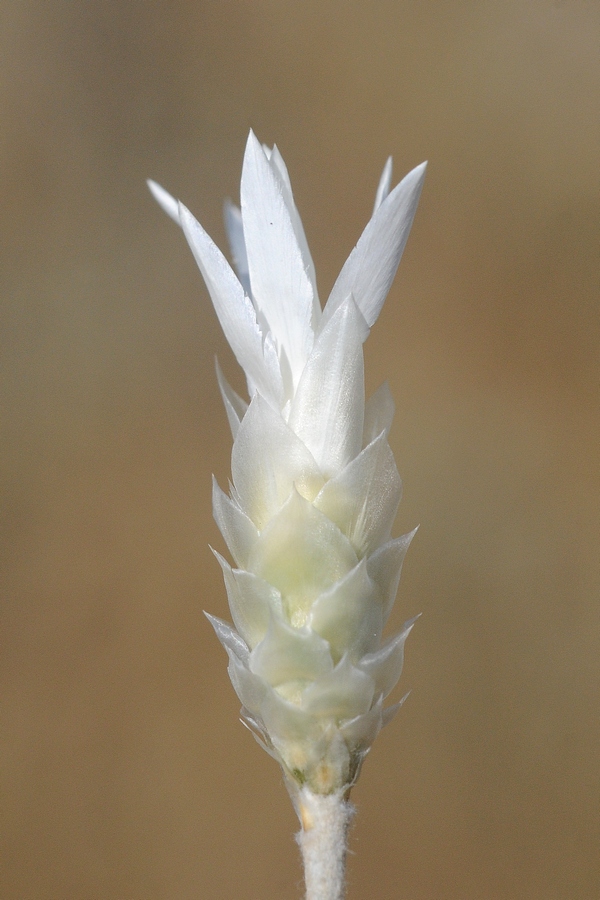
(315, 488)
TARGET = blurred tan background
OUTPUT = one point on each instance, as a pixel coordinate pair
(125, 772)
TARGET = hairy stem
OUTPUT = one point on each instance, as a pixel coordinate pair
(323, 841)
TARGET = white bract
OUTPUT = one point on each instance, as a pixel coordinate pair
(315, 488)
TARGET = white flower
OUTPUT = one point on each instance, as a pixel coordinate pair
(315, 487)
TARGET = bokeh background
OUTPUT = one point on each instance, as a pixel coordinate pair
(125, 772)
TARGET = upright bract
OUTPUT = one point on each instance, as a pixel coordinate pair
(315, 488)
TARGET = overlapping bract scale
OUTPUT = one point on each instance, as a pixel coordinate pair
(267, 461)
(327, 411)
(315, 487)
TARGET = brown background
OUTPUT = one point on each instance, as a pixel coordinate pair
(125, 773)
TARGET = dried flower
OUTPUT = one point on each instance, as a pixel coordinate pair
(315, 488)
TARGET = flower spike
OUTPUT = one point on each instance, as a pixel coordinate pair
(315, 487)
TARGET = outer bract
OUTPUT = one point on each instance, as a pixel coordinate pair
(315, 488)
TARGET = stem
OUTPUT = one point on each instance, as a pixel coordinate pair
(323, 841)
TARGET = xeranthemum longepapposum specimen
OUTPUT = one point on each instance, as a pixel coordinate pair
(315, 487)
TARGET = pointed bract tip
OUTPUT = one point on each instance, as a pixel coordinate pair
(167, 203)
(419, 171)
(254, 148)
(409, 625)
(253, 142)
(385, 183)
(416, 175)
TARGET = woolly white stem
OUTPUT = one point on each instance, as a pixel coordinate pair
(323, 841)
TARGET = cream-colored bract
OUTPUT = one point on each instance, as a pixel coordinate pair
(315, 488)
